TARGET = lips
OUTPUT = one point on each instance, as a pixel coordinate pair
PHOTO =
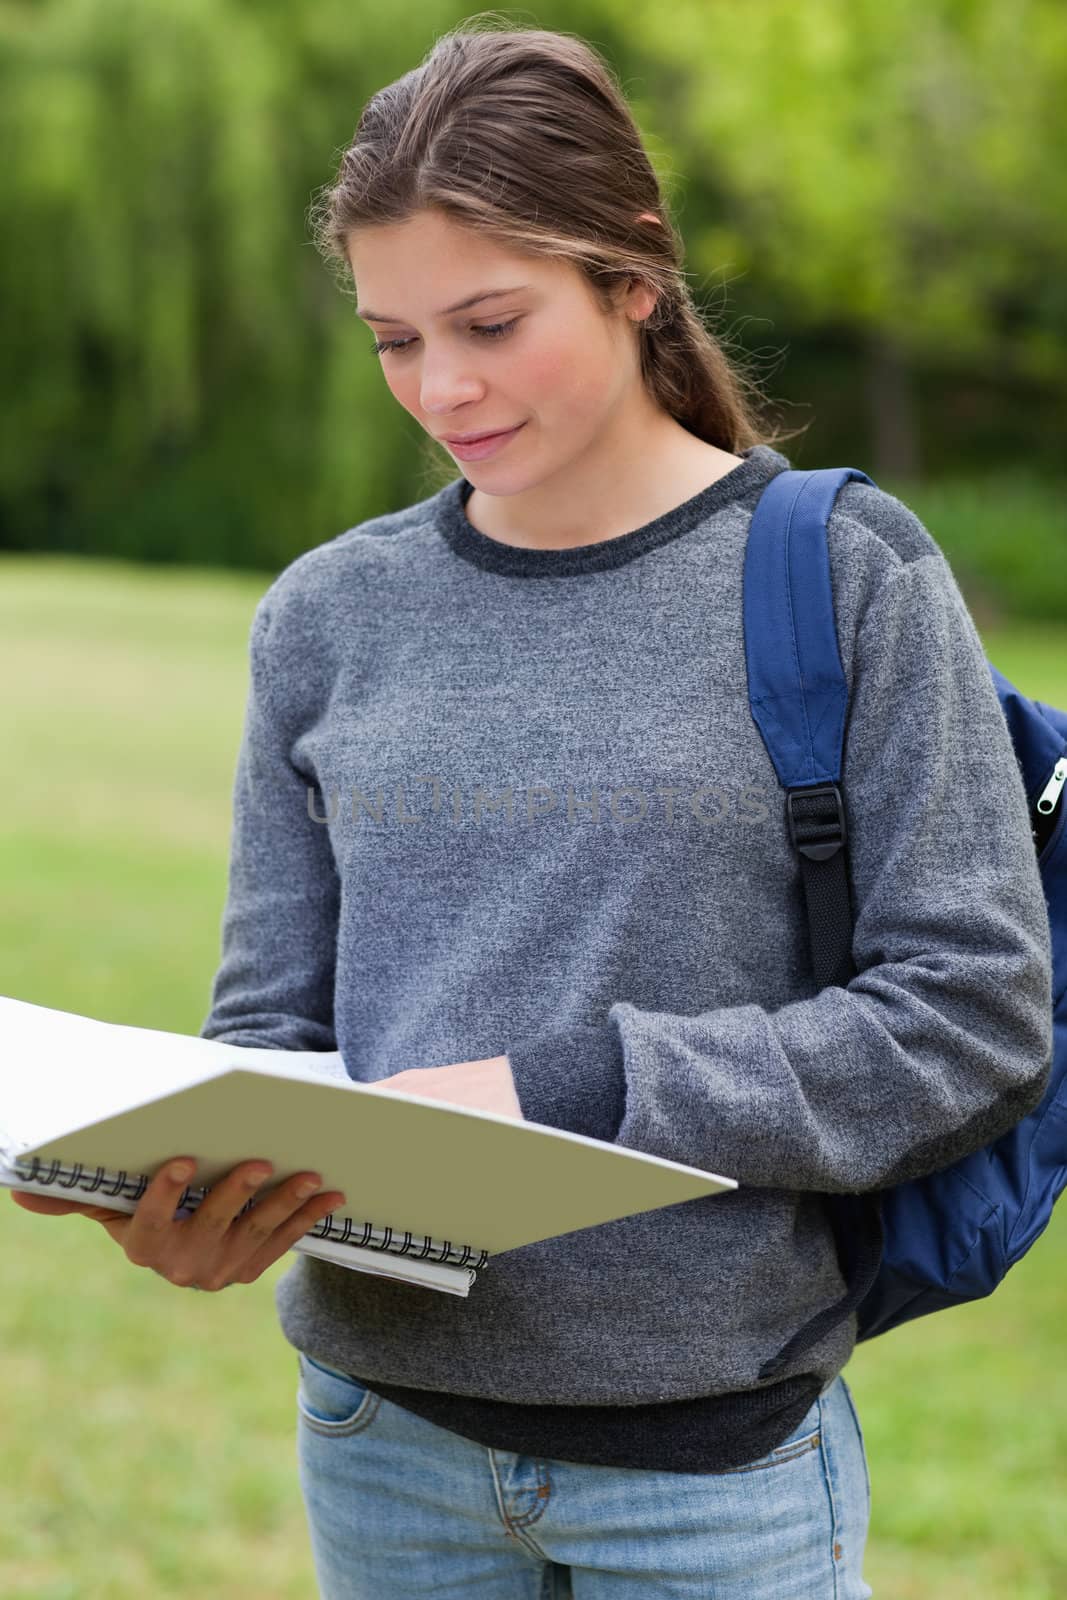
(475, 438)
(487, 445)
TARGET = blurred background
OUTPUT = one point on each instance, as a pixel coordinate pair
(874, 202)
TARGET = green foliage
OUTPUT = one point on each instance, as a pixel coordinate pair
(1005, 536)
(887, 166)
(192, 386)
(187, 382)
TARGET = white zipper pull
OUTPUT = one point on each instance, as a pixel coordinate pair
(1050, 794)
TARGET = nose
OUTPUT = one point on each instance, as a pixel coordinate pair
(446, 383)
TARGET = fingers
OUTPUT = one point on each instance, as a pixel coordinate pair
(257, 1239)
(286, 1235)
(222, 1242)
(151, 1225)
(219, 1209)
(216, 1245)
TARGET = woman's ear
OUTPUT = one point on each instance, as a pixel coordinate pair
(640, 300)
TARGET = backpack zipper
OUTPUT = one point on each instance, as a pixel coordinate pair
(1043, 819)
(1050, 794)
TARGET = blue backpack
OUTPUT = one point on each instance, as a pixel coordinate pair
(951, 1236)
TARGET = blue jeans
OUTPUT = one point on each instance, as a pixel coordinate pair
(400, 1507)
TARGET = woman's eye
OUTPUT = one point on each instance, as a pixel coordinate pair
(496, 330)
(491, 330)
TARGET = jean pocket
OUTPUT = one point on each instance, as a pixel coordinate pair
(330, 1402)
(804, 1438)
(847, 1392)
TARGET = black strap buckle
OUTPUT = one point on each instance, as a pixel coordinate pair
(819, 831)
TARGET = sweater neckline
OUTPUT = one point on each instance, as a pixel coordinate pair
(759, 464)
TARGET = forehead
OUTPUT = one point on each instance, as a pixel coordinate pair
(426, 266)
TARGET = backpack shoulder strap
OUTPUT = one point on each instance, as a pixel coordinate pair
(798, 693)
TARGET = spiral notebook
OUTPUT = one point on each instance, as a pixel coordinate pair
(95, 1108)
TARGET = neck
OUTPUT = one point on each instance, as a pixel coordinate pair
(651, 466)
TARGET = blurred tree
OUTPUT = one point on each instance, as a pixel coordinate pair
(185, 381)
(182, 379)
(890, 172)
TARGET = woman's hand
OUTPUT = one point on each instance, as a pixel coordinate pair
(212, 1248)
(487, 1085)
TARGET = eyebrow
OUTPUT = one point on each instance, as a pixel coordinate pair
(461, 305)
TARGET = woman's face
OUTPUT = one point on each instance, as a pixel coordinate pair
(551, 360)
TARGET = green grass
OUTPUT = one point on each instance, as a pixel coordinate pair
(149, 1435)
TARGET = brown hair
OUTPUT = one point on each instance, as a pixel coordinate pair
(525, 136)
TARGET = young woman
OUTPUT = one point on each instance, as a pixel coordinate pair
(505, 833)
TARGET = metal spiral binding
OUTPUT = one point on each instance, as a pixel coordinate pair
(97, 1181)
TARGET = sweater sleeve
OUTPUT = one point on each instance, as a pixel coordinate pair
(943, 1039)
(274, 984)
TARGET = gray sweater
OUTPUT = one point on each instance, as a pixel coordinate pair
(556, 833)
